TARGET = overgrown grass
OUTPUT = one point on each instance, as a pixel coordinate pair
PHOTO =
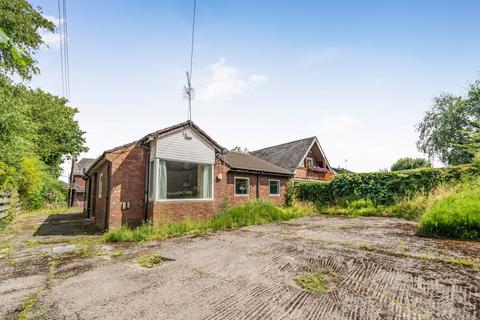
(313, 282)
(410, 207)
(253, 212)
(456, 215)
(149, 260)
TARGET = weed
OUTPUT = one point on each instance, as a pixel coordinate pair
(149, 260)
(29, 303)
(313, 282)
(366, 246)
(117, 253)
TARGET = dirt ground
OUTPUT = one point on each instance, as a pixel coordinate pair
(378, 267)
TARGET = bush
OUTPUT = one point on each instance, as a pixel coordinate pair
(456, 215)
(382, 188)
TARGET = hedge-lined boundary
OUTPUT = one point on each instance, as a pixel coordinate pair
(382, 188)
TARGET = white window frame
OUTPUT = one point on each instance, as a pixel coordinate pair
(235, 186)
(100, 186)
(155, 182)
(279, 188)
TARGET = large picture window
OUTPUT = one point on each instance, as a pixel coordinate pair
(183, 180)
(242, 186)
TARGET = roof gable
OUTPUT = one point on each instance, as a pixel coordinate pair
(287, 155)
(82, 166)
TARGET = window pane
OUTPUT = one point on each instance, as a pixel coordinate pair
(241, 186)
(161, 185)
(184, 180)
(274, 187)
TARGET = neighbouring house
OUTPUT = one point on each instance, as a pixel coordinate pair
(176, 173)
(76, 194)
(304, 159)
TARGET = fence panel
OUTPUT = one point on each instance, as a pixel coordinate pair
(5, 199)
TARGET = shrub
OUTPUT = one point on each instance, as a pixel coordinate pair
(456, 215)
(382, 188)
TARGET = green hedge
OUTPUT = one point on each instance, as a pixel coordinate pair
(381, 187)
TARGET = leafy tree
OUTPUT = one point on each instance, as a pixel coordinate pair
(410, 163)
(444, 132)
(37, 131)
(21, 25)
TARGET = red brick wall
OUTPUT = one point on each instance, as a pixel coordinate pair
(304, 173)
(78, 180)
(264, 188)
(127, 185)
(99, 204)
(78, 199)
(162, 211)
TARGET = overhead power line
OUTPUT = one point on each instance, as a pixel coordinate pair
(64, 54)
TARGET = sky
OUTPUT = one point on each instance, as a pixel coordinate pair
(359, 75)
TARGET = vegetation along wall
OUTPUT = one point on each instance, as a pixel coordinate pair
(382, 188)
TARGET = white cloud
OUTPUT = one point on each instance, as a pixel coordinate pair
(225, 82)
(51, 39)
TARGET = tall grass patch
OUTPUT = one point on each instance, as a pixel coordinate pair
(250, 213)
(456, 215)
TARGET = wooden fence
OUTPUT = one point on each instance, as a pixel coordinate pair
(5, 199)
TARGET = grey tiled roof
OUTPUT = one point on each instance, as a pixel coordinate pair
(287, 155)
(82, 166)
(245, 161)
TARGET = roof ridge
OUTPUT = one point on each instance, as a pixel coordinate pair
(285, 143)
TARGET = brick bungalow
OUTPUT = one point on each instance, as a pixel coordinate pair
(180, 172)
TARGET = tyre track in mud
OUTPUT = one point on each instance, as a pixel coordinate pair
(249, 274)
(364, 290)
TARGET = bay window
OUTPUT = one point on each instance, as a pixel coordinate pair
(181, 180)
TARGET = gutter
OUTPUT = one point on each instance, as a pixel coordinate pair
(107, 196)
(262, 172)
(146, 188)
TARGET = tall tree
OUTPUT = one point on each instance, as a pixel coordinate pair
(410, 163)
(445, 129)
(21, 25)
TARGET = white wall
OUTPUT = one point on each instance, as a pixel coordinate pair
(178, 148)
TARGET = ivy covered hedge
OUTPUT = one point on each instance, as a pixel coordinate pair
(382, 188)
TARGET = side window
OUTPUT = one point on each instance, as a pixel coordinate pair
(100, 185)
(274, 187)
(242, 186)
